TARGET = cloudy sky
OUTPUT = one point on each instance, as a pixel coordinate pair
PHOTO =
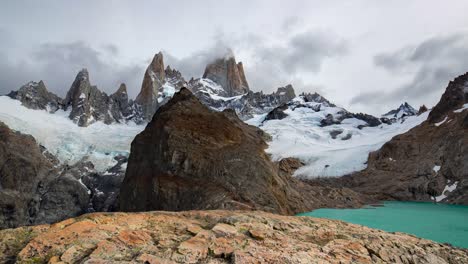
(364, 55)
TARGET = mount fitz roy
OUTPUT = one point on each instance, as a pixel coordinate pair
(222, 86)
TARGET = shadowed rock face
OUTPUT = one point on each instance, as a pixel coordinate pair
(229, 74)
(190, 157)
(454, 97)
(36, 96)
(215, 237)
(417, 165)
(31, 190)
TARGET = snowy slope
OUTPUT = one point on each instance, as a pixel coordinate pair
(300, 135)
(63, 138)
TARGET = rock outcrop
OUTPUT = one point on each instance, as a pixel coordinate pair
(153, 82)
(215, 237)
(229, 74)
(427, 162)
(454, 97)
(88, 104)
(34, 95)
(32, 189)
(190, 157)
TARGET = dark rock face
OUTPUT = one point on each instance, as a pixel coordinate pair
(277, 113)
(189, 157)
(32, 189)
(88, 104)
(246, 105)
(229, 74)
(35, 95)
(454, 97)
(105, 187)
(417, 165)
(317, 98)
(403, 110)
(175, 78)
(422, 109)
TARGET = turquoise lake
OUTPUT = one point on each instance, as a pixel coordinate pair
(439, 222)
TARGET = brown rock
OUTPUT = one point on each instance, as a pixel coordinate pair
(455, 95)
(152, 82)
(190, 157)
(98, 238)
(404, 168)
(229, 74)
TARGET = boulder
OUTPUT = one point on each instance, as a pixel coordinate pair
(190, 157)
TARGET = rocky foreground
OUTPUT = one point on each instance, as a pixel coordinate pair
(215, 237)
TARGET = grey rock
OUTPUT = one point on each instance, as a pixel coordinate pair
(34, 95)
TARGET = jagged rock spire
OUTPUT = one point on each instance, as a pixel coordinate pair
(229, 74)
(152, 82)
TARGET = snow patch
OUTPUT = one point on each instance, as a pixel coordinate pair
(99, 142)
(441, 122)
(436, 169)
(464, 107)
(448, 188)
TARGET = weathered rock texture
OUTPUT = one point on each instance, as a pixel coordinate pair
(215, 237)
(88, 104)
(229, 74)
(32, 189)
(190, 157)
(35, 95)
(417, 165)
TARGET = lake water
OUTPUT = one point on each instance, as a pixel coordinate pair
(439, 222)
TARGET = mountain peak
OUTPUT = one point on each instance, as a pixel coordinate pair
(403, 110)
(455, 95)
(229, 74)
(153, 81)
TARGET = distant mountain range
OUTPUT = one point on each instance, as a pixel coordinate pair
(223, 86)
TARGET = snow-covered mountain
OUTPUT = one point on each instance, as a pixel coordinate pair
(403, 110)
(329, 140)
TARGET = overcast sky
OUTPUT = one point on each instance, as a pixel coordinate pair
(364, 55)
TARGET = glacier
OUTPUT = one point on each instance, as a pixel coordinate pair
(98, 143)
(300, 135)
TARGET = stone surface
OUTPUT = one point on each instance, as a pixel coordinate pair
(225, 237)
(190, 157)
(229, 74)
(35, 95)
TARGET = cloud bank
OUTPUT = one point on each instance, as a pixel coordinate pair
(430, 65)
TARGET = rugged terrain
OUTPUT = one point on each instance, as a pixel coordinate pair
(215, 237)
(36, 189)
(190, 157)
(429, 162)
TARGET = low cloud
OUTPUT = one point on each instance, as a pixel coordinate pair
(269, 65)
(58, 63)
(430, 65)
